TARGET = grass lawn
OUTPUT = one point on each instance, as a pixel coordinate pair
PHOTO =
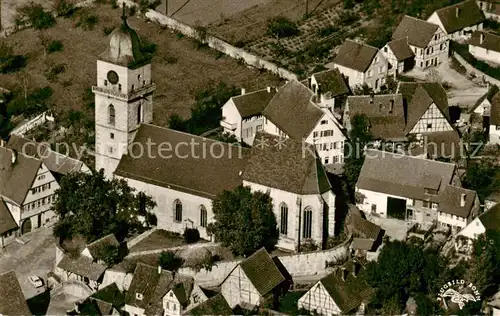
(159, 239)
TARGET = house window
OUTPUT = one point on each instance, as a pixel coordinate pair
(178, 211)
(434, 206)
(259, 128)
(421, 64)
(369, 73)
(203, 216)
(307, 228)
(283, 219)
(381, 69)
(139, 114)
(315, 134)
(112, 135)
(105, 82)
(375, 60)
(110, 149)
(336, 159)
(111, 115)
(323, 122)
(41, 177)
(426, 204)
(497, 127)
(374, 208)
(430, 191)
(120, 87)
(385, 49)
(133, 87)
(429, 126)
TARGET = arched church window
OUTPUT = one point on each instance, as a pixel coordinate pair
(307, 220)
(203, 216)
(178, 211)
(283, 218)
(111, 115)
(139, 114)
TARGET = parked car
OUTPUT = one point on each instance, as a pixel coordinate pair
(35, 281)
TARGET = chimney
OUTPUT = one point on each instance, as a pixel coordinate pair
(391, 106)
(14, 156)
(380, 106)
(159, 269)
(242, 91)
(309, 82)
(481, 37)
(462, 199)
(457, 11)
(268, 89)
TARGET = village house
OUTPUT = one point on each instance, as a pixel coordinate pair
(485, 46)
(215, 305)
(316, 126)
(489, 220)
(483, 105)
(427, 41)
(399, 55)
(342, 292)
(154, 291)
(12, 300)
(366, 235)
(361, 64)
(27, 189)
(303, 201)
(109, 300)
(96, 249)
(491, 200)
(459, 20)
(491, 9)
(494, 124)
(330, 89)
(255, 281)
(433, 192)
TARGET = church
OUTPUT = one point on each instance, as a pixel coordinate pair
(183, 172)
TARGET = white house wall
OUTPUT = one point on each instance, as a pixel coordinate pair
(378, 71)
(452, 220)
(133, 310)
(494, 137)
(238, 289)
(250, 126)
(317, 300)
(435, 118)
(474, 229)
(485, 54)
(392, 60)
(231, 115)
(378, 199)
(334, 144)
(458, 35)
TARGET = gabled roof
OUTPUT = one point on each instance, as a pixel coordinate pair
(331, 81)
(355, 55)
(262, 271)
(495, 110)
(82, 266)
(216, 305)
(401, 49)
(13, 302)
(7, 222)
(490, 41)
(491, 218)
(110, 294)
(444, 144)
(184, 167)
(348, 294)
(16, 179)
(253, 103)
(492, 91)
(386, 172)
(363, 227)
(286, 164)
(418, 32)
(53, 160)
(95, 248)
(468, 15)
(450, 197)
(293, 100)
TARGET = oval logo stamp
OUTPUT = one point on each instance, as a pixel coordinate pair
(459, 292)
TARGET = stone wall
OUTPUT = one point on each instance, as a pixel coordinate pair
(215, 43)
(471, 69)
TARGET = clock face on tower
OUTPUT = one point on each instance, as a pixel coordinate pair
(112, 77)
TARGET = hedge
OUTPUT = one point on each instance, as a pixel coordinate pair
(463, 50)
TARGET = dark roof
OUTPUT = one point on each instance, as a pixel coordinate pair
(418, 32)
(7, 222)
(495, 110)
(384, 124)
(16, 179)
(385, 172)
(492, 91)
(95, 248)
(216, 305)
(449, 199)
(491, 218)
(355, 55)
(262, 271)
(494, 197)
(13, 302)
(286, 164)
(53, 160)
(348, 294)
(189, 169)
(293, 100)
(82, 266)
(492, 6)
(490, 41)
(253, 103)
(110, 294)
(469, 14)
(362, 243)
(444, 144)
(363, 227)
(332, 81)
(401, 49)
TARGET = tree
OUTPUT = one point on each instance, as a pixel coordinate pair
(92, 206)
(244, 221)
(111, 255)
(35, 15)
(363, 89)
(169, 261)
(354, 157)
(281, 27)
(483, 176)
(484, 271)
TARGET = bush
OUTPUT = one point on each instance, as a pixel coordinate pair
(328, 30)
(107, 30)
(53, 70)
(55, 46)
(463, 50)
(282, 27)
(179, 35)
(132, 10)
(169, 261)
(308, 245)
(145, 5)
(114, 4)
(87, 21)
(348, 17)
(64, 9)
(191, 235)
(35, 15)
(148, 46)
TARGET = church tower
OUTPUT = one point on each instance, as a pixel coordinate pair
(123, 96)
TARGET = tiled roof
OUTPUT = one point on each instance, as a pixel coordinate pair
(82, 266)
(53, 160)
(95, 248)
(492, 6)
(12, 300)
(110, 294)
(449, 199)
(468, 15)
(494, 197)
(401, 49)
(363, 227)
(293, 100)
(362, 243)
(386, 173)
(16, 179)
(490, 41)
(331, 81)
(262, 271)
(348, 294)
(495, 110)
(286, 164)
(491, 218)
(492, 91)
(184, 167)
(216, 305)
(253, 103)
(418, 32)
(7, 222)
(440, 144)
(355, 55)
